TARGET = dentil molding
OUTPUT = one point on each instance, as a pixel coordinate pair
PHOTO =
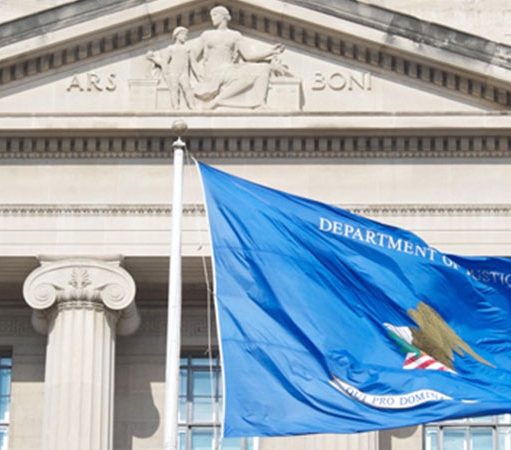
(198, 210)
(321, 146)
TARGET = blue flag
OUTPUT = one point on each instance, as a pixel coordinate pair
(333, 323)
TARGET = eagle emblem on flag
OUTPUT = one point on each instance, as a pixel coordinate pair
(432, 345)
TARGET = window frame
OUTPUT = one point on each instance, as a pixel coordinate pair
(499, 425)
(187, 426)
(6, 363)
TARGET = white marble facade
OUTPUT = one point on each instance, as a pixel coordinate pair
(395, 113)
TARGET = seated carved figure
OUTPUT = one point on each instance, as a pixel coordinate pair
(233, 73)
(220, 68)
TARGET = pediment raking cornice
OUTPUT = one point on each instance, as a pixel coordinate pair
(390, 48)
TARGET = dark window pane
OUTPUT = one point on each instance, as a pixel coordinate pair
(504, 438)
(481, 438)
(5, 382)
(183, 377)
(204, 362)
(202, 409)
(199, 403)
(4, 438)
(231, 444)
(202, 439)
(182, 409)
(181, 436)
(204, 383)
(454, 439)
(431, 439)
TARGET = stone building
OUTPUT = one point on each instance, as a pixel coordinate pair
(395, 109)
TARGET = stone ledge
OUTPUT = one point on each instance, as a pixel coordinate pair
(356, 146)
(193, 210)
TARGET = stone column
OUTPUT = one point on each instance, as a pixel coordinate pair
(81, 303)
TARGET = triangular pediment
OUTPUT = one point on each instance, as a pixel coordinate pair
(344, 59)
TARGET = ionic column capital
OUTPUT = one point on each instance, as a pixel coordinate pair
(81, 282)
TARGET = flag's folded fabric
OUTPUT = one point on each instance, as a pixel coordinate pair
(333, 323)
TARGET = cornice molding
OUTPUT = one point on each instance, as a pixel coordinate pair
(381, 210)
(96, 210)
(430, 210)
(59, 17)
(400, 24)
(454, 72)
(268, 147)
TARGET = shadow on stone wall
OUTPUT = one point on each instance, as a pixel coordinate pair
(387, 438)
(139, 389)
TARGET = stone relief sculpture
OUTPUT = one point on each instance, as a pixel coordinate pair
(176, 65)
(219, 69)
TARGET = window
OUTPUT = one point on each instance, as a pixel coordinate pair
(481, 433)
(5, 397)
(200, 403)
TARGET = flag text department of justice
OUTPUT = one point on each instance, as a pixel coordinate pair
(333, 323)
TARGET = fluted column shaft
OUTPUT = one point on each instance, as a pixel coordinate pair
(81, 304)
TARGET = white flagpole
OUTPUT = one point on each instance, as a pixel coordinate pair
(172, 363)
